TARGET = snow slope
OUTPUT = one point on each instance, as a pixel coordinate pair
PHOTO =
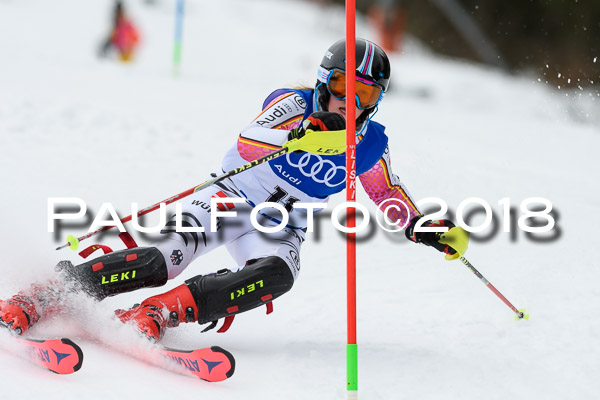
(72, 125)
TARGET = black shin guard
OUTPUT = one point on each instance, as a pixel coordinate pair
(225, 293)
(120, 272)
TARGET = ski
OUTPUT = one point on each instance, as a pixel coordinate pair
(61, 356)
(212, 364)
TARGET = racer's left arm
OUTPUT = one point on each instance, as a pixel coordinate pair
(386, 189)
(393, 199)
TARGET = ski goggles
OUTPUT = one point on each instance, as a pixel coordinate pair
(368, 94)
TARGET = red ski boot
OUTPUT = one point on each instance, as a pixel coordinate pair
(149, 319)
(18, 314)
(158, 312)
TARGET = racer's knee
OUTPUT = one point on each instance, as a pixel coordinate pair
(119, 272)
(225, 293)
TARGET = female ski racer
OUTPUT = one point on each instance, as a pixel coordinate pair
(267, 263)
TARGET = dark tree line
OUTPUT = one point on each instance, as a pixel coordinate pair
(548, 37)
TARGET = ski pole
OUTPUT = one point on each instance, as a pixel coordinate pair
(520, 313)
(334, 143)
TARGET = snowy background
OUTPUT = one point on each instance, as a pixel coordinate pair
(73, 125)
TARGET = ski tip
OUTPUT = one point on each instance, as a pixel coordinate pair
(78, 350)
(212, 364)
(229, 356)
(61, 356)
(522, 314)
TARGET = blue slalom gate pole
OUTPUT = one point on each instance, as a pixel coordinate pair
(179, 12)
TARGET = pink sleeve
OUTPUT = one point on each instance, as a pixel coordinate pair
(381, 185)
(251, 149)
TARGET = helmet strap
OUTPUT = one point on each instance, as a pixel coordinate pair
(321, 97)
(366, 116)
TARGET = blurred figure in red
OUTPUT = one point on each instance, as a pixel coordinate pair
(124, 36)
(389, 18)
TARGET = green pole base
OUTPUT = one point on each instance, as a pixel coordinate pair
(352, 368)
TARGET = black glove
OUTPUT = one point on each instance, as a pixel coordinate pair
(319, 121)
(455, 240)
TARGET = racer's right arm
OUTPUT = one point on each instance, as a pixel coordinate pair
(270, 129)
